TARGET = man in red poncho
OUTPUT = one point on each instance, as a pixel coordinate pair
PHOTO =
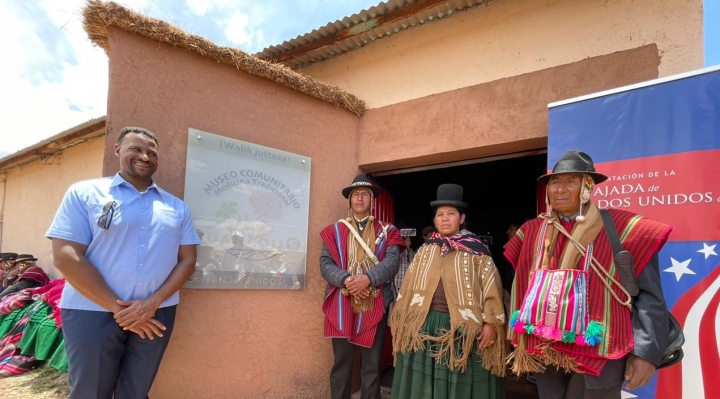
(360, 257)
(619, 344)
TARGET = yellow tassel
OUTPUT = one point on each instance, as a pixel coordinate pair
(522, 360)
(405, 327)
(562, 361)
(494, 356)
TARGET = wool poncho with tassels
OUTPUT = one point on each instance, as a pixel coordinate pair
(473, 292)
(640, 236)
(340, 319)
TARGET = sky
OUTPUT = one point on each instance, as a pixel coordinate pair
(53, 78)
(712, 32)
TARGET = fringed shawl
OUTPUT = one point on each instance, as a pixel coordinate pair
(474, 296)
(640, 236)
(340, 320)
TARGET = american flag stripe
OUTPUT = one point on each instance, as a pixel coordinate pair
(709, 354)
(686, 380)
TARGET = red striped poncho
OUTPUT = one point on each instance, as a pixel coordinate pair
(340, 321)
(639, 236)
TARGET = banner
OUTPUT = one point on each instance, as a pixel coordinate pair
(250, 206)
(659, 143)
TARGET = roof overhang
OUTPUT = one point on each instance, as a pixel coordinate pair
(363, 28)
(55, 144)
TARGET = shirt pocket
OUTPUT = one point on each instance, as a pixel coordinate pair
(96, 212)
(170, 222)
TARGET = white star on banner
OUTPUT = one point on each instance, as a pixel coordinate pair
(708, 250)
(627, 395)
(679, 268)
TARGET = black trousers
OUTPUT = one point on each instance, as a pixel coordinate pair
(557, 384)
(104, 360)
(341, 373)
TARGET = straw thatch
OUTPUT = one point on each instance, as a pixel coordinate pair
(99, 15)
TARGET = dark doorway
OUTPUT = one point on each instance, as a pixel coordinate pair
(498, 192)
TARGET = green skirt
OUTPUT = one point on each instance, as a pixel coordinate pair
(43, 339)
(9, 321)
(418, 375)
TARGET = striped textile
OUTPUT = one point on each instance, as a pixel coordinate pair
(35, 273)
(13, 302)
(12, 362)
(640, 236)
(340, 321)
(462, 241)
(51, 294)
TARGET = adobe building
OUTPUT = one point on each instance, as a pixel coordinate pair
(33, 181)
(413, 93)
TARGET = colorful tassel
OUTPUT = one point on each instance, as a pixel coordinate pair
(556, 335)
(539, 331)
(514, 318)
(548, 333)
(580, 340)
(593, 333)
(569, 337)
(519, 327)
(592, 340)
(595, 329)
(529, 329)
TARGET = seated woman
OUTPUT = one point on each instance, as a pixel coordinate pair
(22, 273)
(448, 321)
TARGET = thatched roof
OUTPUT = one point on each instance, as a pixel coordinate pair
(99, 15)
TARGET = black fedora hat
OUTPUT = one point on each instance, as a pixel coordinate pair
(449, 194)
(8, 256)
(25, 258)
(361, 181)
(574, 162)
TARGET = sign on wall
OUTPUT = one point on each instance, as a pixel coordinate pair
(659, 143)
(249, 205)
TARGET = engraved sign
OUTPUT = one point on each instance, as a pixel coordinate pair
(249, 205)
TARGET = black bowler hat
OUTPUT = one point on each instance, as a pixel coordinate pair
(361, 181)
(8, 256)
(449, 194)
(574, 162)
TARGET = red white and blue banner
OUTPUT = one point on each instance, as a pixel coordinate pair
(659, 143)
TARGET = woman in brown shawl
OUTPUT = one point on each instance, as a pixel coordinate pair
(448, 321)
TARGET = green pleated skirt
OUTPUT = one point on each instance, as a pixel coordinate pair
(9, 321)
(41, 337)
(419, 376)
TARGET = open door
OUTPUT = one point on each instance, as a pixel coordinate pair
(384, 210)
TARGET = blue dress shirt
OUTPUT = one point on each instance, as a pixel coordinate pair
(136, 254)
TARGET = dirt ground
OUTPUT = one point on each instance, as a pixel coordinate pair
(43, 383)
(48, 383)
